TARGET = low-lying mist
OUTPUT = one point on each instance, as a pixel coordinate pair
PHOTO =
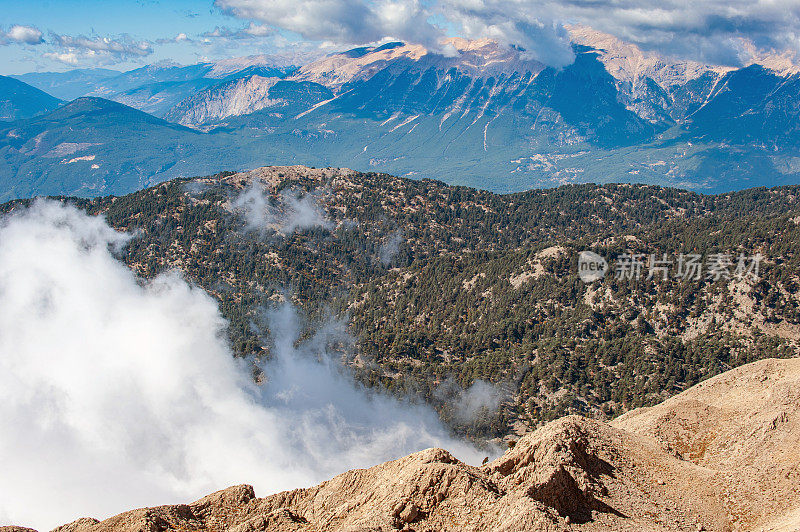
(291, 212)
(117, 392)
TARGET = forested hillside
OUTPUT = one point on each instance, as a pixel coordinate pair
(441, 285)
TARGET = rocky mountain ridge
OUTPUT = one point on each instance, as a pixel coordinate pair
(721, 456)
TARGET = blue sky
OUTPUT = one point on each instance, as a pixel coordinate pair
(123, 34)
(151, 21)
(145, 18)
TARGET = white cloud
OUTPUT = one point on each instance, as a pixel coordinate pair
(179, 38)
(466, 405)
(730, 32)
(360, 21)
(292, 211)
(123, 46)
(98, 50)
(253, 205)
(390, 247)
(251, 31)
(712, 30)
(20, 34)
(481, 396)
(301, 211)
(517, 23)
(258, 30)
(68, 58)
(117, 393)
(342, 21)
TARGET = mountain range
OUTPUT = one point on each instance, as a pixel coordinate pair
(483, 116)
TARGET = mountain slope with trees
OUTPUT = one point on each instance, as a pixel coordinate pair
(442, 286)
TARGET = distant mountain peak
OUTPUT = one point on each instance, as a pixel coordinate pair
(477, 58)
(627, 62)
(89, 103)
(226, 67)
(783, 64)
(473, 112)
(233, 98)
(18, 100)
(336, 70)
(108, 110)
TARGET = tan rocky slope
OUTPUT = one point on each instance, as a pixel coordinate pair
(721, 456)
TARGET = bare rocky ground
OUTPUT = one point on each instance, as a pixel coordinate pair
(721, 456)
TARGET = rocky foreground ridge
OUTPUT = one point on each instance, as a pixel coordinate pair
(721, 456)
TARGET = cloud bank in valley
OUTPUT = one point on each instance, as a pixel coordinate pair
(117, 393)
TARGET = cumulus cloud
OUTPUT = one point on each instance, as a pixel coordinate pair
(291, 211)
(68, 58)
(510, 22)
(117, 393)
(224, 41)
(343, 21)
(712, 30)
(526, 25)
(20, 34)
(99, 50)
